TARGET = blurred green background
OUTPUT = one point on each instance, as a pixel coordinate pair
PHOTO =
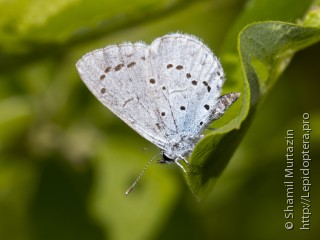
(66, 161)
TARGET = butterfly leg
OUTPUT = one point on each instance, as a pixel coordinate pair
(185, 160)
(176, 162)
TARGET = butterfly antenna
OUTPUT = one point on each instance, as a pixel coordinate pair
(140, 175)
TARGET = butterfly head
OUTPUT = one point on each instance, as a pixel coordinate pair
(166, 159)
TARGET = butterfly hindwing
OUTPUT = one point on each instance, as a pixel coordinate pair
(193, 78)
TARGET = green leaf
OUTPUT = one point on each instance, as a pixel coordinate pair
(26, 26)
(265, 49)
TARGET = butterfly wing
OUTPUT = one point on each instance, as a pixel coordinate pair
(192, 77)
(118, 77)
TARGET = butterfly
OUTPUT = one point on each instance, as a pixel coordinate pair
(168, 91)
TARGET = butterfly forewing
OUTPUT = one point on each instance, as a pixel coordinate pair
(117, 76)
